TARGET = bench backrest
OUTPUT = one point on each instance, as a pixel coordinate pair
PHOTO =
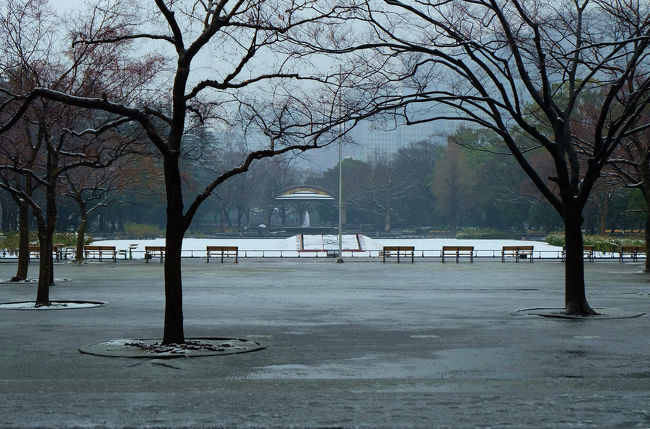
(91, 248)
(457, 248)
(398, 248)
(517, 248)
(632, 248)
(154, 248)
(221, 248)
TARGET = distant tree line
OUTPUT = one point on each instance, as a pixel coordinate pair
(427, 187)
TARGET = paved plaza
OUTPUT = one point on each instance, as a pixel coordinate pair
(355, 345)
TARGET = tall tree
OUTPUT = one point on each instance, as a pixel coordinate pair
(454, 186)
(485, 61)
(49, 145)
(252, 82)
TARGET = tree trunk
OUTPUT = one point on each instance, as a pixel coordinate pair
(173, 330)
(452, 224)
(23, 243)
(81, 234)
(645, 191)
(647, 235)
(574, 296)
(387, 221)
(45, 266)
(604, 209)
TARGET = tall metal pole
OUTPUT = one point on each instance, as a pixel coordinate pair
(340, 258)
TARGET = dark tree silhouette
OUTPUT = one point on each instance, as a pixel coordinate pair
(226, 62)
(503, 65)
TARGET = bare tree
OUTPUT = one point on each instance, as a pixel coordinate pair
(94, 188)
(491, 63)
(227, 62)
(56, 138)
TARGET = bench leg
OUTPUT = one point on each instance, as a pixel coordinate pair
(457, 256)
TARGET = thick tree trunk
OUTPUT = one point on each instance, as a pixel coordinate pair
(647, 229)
(452, 225)
(45, 266)
(173, 330)
(574, 297)
(603, 216)
(81, 234)
(23, 243)
(645, 176)
(387, 221)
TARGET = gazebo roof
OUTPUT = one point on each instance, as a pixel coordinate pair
(305, 192)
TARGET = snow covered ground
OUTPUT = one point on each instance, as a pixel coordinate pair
(318, 245)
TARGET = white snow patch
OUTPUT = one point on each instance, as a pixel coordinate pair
(289, 247)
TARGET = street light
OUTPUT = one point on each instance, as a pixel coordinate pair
(339, 260)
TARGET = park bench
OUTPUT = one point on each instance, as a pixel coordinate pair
(457, 251)
(587, 251)
(399, 251)
(58, 251)
(518, 252)
(633, 251)
(34, 250)
(223, 251)
(99, 251)
(151, 251)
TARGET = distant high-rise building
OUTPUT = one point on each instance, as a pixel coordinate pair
(378, 140)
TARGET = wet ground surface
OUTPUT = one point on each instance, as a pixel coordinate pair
(357, 345)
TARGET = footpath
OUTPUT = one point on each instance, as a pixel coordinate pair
(353, 345)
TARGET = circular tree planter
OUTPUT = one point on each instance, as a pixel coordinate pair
(31, 281)
(152, 349)
(558, 313)
(54, 305)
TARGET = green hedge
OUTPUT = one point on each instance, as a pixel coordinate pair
(601, 243)
(142, 230)
(69, 239)
(485, 234)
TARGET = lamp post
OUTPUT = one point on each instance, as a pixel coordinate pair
(339, 260)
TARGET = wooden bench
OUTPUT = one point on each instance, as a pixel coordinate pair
(59, 251)
(223, 251)
(404, 251)
(630, 250)
(587, 252)
(34, 250)
(151, 251)
(99, 251)
(518, 252)
(457, 251)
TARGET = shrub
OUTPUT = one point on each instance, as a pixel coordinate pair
(601, 243)
(486, 234)
(68, 239)
(142, 230)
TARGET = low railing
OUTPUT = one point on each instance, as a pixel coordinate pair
(331, 253)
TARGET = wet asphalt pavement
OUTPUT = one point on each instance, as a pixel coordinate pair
(357, 345)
